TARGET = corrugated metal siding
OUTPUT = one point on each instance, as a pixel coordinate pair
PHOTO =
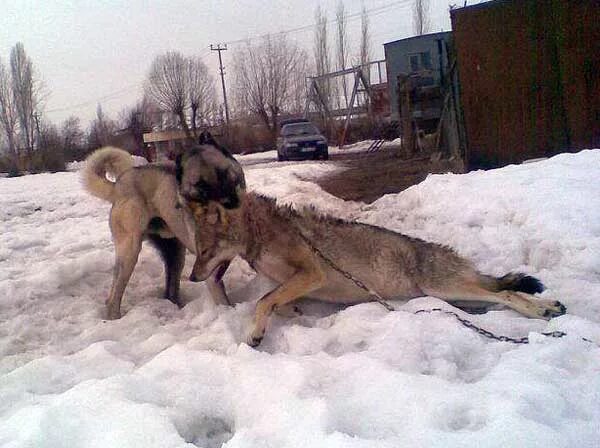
(525, 90)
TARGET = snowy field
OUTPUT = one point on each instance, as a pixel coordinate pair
(354, 377)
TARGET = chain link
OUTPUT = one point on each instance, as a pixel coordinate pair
(488, 334)
(467, 323)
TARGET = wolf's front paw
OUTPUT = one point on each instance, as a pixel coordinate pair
(255, 338)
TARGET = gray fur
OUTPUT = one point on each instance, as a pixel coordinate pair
(273, 240)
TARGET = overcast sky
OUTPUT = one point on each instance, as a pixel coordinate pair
(99, 51)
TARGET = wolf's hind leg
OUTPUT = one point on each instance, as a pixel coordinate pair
(525, 304)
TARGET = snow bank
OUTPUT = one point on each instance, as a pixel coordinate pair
(335, 377)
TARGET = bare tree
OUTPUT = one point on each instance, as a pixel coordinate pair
(139, 119)
(8, 115)
(264, 82)
(201, 92)
(168, 85)
(321, 52)
(24, 92)
(50, 154)
(71, 136)
(102, 130)
(342, 47)
(365, 38)
(421, 22)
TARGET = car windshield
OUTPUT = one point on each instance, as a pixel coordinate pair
(299, 129)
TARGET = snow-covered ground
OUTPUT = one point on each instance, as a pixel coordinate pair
(353, 377)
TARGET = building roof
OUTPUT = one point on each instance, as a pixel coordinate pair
(422, 36)
(482, 5)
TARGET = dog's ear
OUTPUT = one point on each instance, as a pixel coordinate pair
(206, 138)
(178, 168)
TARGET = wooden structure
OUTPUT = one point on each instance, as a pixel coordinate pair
(361, 97)
(530, 78)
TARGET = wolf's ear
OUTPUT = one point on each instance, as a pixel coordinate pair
(217, 214)
(178, 168)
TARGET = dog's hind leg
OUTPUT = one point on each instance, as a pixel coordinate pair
(172, 252)
(525, 304)
(127, 223)
(127, 250)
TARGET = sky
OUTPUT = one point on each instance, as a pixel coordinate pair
(90, 52)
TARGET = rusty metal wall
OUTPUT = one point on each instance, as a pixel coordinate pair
(529, 77)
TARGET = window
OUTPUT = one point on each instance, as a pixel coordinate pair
(419, 61)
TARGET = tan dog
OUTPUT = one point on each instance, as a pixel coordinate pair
(145, 206)
(298, 249)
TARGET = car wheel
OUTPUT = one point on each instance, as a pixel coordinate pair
(325, 155)
(280, 158)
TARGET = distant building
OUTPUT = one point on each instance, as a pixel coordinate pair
(164, 144)
(425, 54)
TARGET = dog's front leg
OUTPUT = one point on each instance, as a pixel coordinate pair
(216, 287)
(302, 282)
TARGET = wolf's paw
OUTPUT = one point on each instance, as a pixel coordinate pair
(551, 308)
(255, 338)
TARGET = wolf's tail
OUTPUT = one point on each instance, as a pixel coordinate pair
(107, 160)
(515, 281)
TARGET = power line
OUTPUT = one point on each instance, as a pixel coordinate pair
(350, 17)
(108, 96)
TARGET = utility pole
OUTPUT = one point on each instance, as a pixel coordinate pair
(220, 48)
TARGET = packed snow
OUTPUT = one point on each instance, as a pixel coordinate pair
(358, 376)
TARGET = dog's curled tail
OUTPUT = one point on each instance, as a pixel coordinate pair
(103, 161)
(515, 281)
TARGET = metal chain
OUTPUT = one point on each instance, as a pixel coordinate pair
(346, 274)
(467, 323)
(488, 334)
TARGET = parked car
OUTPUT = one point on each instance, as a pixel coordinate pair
(300, 139)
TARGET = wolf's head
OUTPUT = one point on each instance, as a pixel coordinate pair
(217, 240)
(208, 172)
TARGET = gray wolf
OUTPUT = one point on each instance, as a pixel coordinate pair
(280, 243)
(145, 206)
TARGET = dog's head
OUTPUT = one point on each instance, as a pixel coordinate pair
(208, 172)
